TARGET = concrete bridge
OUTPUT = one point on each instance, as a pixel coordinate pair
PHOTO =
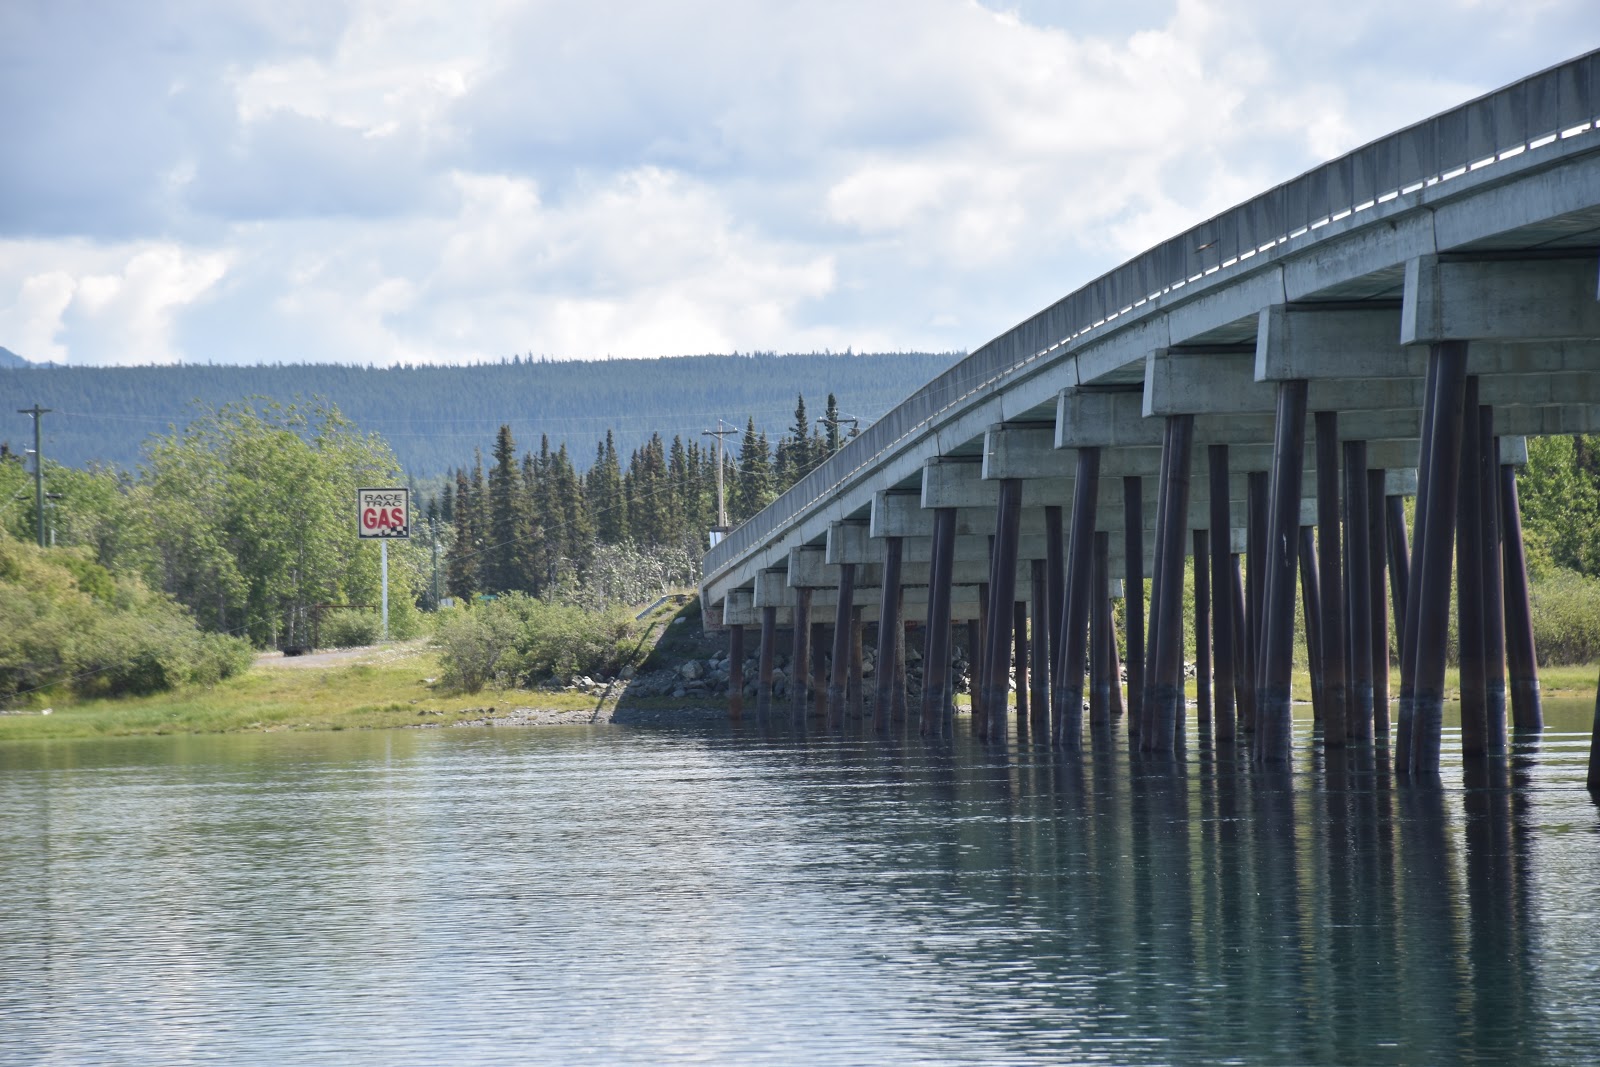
(1259, 394)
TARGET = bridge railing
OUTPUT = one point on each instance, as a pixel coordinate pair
(1525, 115)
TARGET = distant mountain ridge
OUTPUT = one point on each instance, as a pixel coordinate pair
(434, 417)
(9, 358)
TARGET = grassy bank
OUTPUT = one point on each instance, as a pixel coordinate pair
(362, 696)
(397, 689)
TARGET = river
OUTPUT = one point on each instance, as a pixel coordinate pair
(609, 895)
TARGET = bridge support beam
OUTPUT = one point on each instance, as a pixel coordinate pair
(936, 654)
(1075, 612)
(1165, 691)
(1358, 595)
(997, 648)
(842, 618)
(1020, 663)
(1331, 631)
(1273, 723)
(1311, 607)
(1244, 683)
(1255, 574)
(1494, 630)
(1406, 726)
(1055, 557)
(891, 634)
(1399, 572)
(1377, 555)
(1442, 444)
(1202, 631)
(1527, 708)
(1101, 655)
(1133, 598)
(798, 690)
(769, 639)
(735, 673)
(1221, 596)
(1039, 675)
(1469, 587)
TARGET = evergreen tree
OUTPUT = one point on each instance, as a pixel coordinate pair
(503, 568)
(606, 502)
(461, 562)
(753, 486)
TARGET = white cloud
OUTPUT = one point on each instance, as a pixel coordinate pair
(102, 304)
(377, 180)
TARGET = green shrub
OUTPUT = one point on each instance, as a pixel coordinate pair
(350, 627)
(518, 640)
(1566, 617)
(67, 622)
(471, 644)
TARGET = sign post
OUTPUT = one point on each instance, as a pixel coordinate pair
(383, 515)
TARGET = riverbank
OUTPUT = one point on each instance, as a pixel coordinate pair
(396, 687)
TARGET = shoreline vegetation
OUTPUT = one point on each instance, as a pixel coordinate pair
(398, 686)
(148, 610)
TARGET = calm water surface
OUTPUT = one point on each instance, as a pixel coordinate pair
(608, 895)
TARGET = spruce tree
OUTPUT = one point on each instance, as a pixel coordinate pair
(508, 524)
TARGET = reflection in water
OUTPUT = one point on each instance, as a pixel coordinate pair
(769, 895)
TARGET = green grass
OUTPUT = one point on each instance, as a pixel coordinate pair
(268, 699)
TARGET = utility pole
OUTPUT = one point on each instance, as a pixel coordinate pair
(719, 433)
(38, 414)
(433, 531)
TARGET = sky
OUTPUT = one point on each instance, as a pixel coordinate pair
(383, 181)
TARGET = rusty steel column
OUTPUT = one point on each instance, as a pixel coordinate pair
(1003, 578)
(1274, 724)
(1311, 606)
(797, 665)
(1331, 634)
(936, 636)
(1358, 595)
(901, 698)
(855, 692)
(1202, 628)
(1494, 630)
(890, 633)
(1221, 594)
(1075, 611)
(1147, 726)
(735, 673)
(1055, 552)
(1255, 553)
(1244, 685)
(1406, 719)
(1039, 676)
(769, 639)
(841, 644)
(1469, 579)
(1101, 636)
(1377, 553)
(1433, 562)
(1133, 596)
(819, 671)
(1593, 781)
(1166, 688)
(1527, 706)
(1020, 660)
(1399, 560)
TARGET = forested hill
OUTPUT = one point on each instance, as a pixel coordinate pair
(434, 416)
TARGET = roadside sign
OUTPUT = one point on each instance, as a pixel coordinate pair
(383, 513)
